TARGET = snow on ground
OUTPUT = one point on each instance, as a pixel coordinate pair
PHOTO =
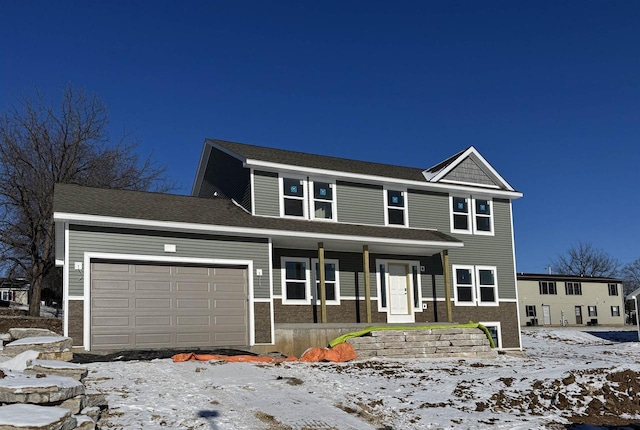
(566, 375)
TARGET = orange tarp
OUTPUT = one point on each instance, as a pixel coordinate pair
(338, 354)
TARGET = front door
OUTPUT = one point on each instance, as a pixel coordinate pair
(400, 309)
(546, 314)
(578, 314)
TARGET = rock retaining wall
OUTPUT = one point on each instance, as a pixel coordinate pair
(429, 343)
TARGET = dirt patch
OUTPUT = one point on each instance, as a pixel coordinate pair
(13, 321)
(271, 421)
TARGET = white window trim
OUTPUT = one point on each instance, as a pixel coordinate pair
(283, 281)
(495, 285)
(315, 276)
(6, 295)
(405, 196)
(472, 221)
(476, 215)
(312, 200)
(475, 285)
(471, 269)
(281, 196)
(498, 326)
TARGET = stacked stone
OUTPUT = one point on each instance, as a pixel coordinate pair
(45, 392)
(428, 343)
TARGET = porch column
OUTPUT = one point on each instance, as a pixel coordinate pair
(447, 284)
(367, 281)
(323, 286)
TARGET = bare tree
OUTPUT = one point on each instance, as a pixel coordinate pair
(630, 274)
(584, 259)
(43, 144)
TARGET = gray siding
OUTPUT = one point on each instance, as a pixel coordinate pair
(360, 203)
(266, 193)
(431, 210)
(226, 175)
(59, 241)
(428, 210)
(469, 171)
(137, 242)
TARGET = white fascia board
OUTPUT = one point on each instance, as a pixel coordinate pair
(277, 167)
(633, 294)
(254, 232)
(204, 157)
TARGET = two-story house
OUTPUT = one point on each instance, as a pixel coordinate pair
(550, 299)
(272, 237)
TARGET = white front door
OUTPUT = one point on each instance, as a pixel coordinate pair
(546, 314)
(400, 309)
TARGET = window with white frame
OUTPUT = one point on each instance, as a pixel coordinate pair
(6, 296)
(396, 207)
(613, 289)
(295, 280)
(323, 200)
(495, 332)
(615, 311)
(293, 197)
(471, 215)
(475, 285)
(331, 281)
(487, 285)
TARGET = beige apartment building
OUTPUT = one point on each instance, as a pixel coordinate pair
(545, 299)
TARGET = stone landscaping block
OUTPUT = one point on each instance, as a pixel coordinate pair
(413, 337)
(34, 417)
(59, 368)
(74, 404)
(42, 344)
(92, 412)
(387, 333)
(84, 423)
(93, 399)
(58, 356)
(391, 344)
(448, 331)
(21, 333)
(18, 387)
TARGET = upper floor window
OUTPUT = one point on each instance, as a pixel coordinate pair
(475, 285)
(573, 289)
(323, 200)
(613, 289)
(471, 215)
(293, 197)
(547, 287)
(396, 210)
(317, 203)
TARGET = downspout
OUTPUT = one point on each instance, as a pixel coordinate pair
(447, 284)
(367, 281)
(323, 286)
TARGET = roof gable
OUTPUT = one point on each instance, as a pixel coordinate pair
(468, 168)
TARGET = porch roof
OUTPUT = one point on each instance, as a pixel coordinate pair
(95, 206)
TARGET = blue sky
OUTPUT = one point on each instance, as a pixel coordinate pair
(547, 91)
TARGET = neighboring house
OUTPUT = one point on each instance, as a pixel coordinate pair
(14, 290)
(570, 300)
(272, 237)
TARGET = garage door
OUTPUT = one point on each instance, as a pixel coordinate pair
(157, 306)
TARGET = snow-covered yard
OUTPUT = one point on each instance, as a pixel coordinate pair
(566, 375)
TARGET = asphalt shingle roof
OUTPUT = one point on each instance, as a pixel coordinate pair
(303, 159)
(141, 205)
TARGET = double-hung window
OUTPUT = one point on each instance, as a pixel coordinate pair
(613, 289)
(294, 197)
(6, 296)
(295, 280)
(593, 311)
(475, 286)
(573, 289)
(471, 215)
(323, 200)
(615, 311)
(396, 207)
(531, 310)
(547, 287)
(331, 281)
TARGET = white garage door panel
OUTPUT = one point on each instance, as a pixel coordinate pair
(156, 306)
